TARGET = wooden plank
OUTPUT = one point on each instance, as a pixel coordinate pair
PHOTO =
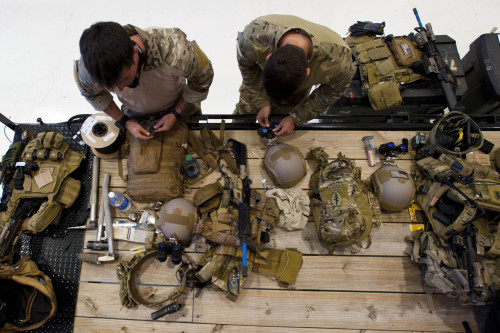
(335, 310)
(348, 310)
(107, 325)
(103, 301)
(335, 273)
(386, 240)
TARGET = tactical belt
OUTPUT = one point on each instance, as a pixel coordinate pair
(130, 295)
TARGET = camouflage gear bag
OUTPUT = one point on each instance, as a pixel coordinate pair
(343, 207)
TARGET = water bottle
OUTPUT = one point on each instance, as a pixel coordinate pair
(191, 166)
(118, 200)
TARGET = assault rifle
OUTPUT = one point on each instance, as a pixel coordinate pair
(240, 195)
(464, 247)
(8, 166)
(26, 208)
(436, 66)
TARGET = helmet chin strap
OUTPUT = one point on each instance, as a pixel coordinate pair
(140, 52)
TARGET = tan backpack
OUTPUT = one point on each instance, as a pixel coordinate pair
(27, 298)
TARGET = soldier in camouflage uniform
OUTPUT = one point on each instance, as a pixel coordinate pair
(328, 64)
(155, 72)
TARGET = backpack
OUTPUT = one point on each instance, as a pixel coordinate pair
(27, 298)
(344, 209)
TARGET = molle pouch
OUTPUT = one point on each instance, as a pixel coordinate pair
(382, 69)
(144, 155)
(68, 192)
(370, 44)
(378, 53)
(208, 197)
(384, 95)
(167, 182)
(47, 214)
(404, 51)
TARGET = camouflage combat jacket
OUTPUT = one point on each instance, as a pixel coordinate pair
(331, 63)
(169, 59)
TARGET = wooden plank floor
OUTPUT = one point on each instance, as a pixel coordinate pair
(374, 290)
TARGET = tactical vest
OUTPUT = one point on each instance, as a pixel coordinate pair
(217, 218)
(440, 202)
(383, 66)
(28, 298)
(155, 165)
(443, 274)
(344, 209)
(55, 161)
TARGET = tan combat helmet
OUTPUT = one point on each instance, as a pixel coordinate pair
(393, 187)
(285, 165)
(178, 217)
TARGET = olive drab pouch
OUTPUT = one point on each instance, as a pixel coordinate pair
(155, 166)
(344, 209)
(27, 296)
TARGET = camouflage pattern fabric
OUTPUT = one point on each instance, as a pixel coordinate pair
(344, 209)
(169, 53)
(331, 67)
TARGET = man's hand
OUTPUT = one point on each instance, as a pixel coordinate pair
(138, 131)
(263, 116)
(285, 127)
(165, 123)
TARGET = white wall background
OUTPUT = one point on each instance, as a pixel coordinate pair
(39, 40)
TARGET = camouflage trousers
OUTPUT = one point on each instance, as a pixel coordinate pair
(246, 107)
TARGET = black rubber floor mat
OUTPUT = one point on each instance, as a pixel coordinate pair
(55, 250)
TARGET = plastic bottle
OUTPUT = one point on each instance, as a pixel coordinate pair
(120, 201)
(191, 166)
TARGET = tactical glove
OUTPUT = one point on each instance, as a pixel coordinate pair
(366, 28)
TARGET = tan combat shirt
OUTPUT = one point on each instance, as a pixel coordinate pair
(331, 63)
(170, 61)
